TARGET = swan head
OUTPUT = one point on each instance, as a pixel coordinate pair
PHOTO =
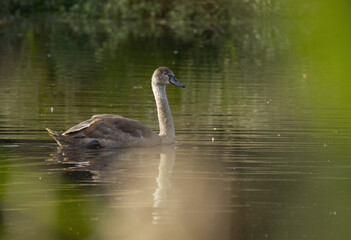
(164, 76)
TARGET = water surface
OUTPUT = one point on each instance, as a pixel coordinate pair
(262, 139)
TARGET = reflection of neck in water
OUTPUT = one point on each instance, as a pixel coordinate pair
(165, 167)
(163, 183)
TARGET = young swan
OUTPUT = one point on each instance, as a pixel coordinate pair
(114, 131)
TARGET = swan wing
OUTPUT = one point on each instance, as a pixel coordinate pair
(109, 126)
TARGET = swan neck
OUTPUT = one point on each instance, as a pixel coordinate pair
(164, 113)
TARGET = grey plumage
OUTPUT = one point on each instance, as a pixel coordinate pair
(114, 131)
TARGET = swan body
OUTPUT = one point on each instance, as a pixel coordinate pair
(114, 131)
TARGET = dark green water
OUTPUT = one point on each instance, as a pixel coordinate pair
(264, 135)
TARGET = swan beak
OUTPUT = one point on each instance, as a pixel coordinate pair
(175, 81)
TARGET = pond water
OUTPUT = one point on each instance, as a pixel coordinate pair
(263, 143)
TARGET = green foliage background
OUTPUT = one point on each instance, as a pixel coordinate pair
(180, 10)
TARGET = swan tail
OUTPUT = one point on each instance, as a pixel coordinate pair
(59, 138)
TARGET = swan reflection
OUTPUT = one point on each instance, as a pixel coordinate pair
(165, 168)
(129, 173)
(134, 194)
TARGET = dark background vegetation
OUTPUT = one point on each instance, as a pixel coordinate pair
(209, 20)
(178, 10)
